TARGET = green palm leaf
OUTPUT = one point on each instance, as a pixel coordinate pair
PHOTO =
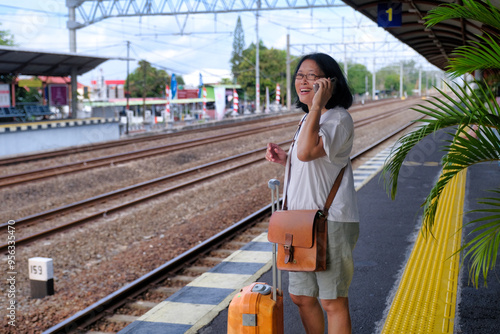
(481, 56)
(463, 111)
(482, 11)
(483, 248)
(467, 108)
(463, 151)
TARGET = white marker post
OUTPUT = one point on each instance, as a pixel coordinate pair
(41, 275)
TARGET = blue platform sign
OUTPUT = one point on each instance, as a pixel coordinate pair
(173, 86)
(389, 14)
(200, 87)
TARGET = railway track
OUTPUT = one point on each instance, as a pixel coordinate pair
(124, 142)
(112, 160)
(176, 273)
(122, 196)
(88, 210)
(155, 137)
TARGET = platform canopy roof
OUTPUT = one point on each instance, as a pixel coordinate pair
(31, 62)
(435, 44)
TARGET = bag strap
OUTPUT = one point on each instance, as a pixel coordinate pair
(289, 161)
(333, 192)
(335, 186)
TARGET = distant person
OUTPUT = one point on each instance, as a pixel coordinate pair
(322, 148)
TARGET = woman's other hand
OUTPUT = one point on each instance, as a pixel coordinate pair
(275, 153)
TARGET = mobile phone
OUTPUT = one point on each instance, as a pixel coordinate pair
(333, 80)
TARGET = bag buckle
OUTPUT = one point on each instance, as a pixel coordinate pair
(288, 248)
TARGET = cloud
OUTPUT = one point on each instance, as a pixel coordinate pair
(210, 75)
(205, 45)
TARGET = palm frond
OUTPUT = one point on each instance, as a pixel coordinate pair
(482, 11)
(482, 250)
(466, 110)
(463, 151)
(476, 108)
(478, 56)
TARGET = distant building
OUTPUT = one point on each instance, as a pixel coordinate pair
(105, 90)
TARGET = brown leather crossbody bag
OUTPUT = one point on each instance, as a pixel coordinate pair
(301, 235)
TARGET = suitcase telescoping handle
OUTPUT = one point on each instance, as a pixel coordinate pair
(274, 185)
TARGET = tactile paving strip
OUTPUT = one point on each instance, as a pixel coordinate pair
(426, 298)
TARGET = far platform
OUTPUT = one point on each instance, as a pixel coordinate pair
(30, 137)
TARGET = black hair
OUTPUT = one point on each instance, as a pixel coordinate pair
(342, 95)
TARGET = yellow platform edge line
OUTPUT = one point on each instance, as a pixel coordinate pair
(425, 300)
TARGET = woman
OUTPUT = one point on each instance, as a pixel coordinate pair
(322, 148)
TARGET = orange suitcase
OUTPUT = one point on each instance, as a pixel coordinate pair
(258, 307)
(253, 311)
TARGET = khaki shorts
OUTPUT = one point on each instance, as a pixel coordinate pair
(335, 280)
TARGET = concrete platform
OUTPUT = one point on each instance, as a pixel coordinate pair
(30, 137)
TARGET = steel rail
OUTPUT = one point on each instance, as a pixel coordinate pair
(383, 139)
(123, 142)
(101, 213)
(19, 178)
(153, 137)
(92, 201)
(102, 307)
(23, 177)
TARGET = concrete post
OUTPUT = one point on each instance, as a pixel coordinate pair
(41, 274)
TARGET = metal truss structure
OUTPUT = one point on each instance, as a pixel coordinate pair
(363, 52)
(88, 12)
(82, 13)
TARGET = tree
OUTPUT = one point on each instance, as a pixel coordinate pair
(180, 80)
(469, 108)
(272, 71)
(30, 95)
(356, 77)
(238, 47)
(6, 38)
(148, 81)
(388, 77)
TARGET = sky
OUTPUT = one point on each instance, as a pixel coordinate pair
(200, 43)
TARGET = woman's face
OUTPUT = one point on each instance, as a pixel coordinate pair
(304, 86)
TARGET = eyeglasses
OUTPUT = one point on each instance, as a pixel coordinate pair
(309, 76)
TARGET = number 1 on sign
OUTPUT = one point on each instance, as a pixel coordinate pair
(389, 12)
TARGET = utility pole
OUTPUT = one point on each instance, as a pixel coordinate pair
(72, 26)
(128, 69)
(401, 81)
(374, 79)
(345, 51)
(366, 88)
(288, 75)
(420, 82)
(257, 73)
(144, 90)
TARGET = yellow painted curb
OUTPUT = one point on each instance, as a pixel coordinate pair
(426, 297)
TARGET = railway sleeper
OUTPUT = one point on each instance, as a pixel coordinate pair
(235, 244)
(211, 260)
(166, 290)
(115, 318)
(197, 270)
(142, 305)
